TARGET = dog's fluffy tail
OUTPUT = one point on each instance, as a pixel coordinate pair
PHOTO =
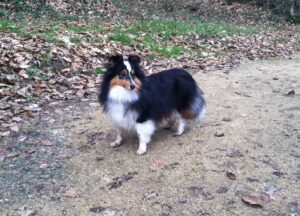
(198, 106)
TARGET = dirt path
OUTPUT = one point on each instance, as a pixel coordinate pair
(62, 164)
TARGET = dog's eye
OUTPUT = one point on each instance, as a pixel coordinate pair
(133, 75)
(122, 75)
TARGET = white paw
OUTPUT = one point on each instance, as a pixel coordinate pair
(178, 133)
(115, 144)
(141, 151)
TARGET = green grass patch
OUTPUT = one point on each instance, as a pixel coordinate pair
(52, 29)
(74, 40)
(77, 28)
(121, 37)
(168, 52)
(99, 71)
(46, 59)
(33, 73)
(10, 26)
(171, 28)
(43, 77)
(174, 51)
(32, 99)
(163, 29)
(157, 35)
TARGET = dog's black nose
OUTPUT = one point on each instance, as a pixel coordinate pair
(132, 86)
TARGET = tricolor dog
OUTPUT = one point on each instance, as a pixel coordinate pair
(136, 103)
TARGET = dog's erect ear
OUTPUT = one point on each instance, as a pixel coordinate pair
(134, 59)
(113, 60)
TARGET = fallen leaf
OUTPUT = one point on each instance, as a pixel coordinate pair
(279, 174)
(219, 134)
(30, 114)
(23, 74)
(157, 165)
(260, 201)
(28, 152)
(22, 92)
(149, 195)
(118, 181)
(17, 119)
(14, 128)
(71, 193)
(22, 138)
(59, 111)
(46, 143)
(51, 121)
(291, 93)
(97, 209)
(225, 119)
(5, 133)
(94, 104)
(8, 155)
(243, 115)
(231, 175)
(44, 165)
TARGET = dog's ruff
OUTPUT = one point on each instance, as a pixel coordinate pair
(135, 103)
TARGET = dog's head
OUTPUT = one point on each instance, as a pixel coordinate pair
(125, 73)
(122, 80)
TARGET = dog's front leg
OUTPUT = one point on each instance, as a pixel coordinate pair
(119, 138)
(144, 131)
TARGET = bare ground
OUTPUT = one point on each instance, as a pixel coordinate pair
(62, 164)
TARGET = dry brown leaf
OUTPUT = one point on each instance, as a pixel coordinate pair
(51, 121)
(230, 175)
(260, 201)
(5, 133)
(14, 128)
(291, 93)
(23, 74)
(44, 165)
(30, 114)
(46, 143)
(219, 134)
(17, 119)
(8, 155)
(71, 193)
(157, 165)
(94, 104)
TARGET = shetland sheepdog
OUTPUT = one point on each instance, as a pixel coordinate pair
(136, 103)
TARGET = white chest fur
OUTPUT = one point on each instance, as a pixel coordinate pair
(121, 116)
(117, 108)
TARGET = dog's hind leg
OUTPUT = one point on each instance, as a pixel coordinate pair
(119, 138)
(170, 121)
(144, 131)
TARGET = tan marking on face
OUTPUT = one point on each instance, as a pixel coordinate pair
(138, 84)
(186, 114)
(119, 82)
